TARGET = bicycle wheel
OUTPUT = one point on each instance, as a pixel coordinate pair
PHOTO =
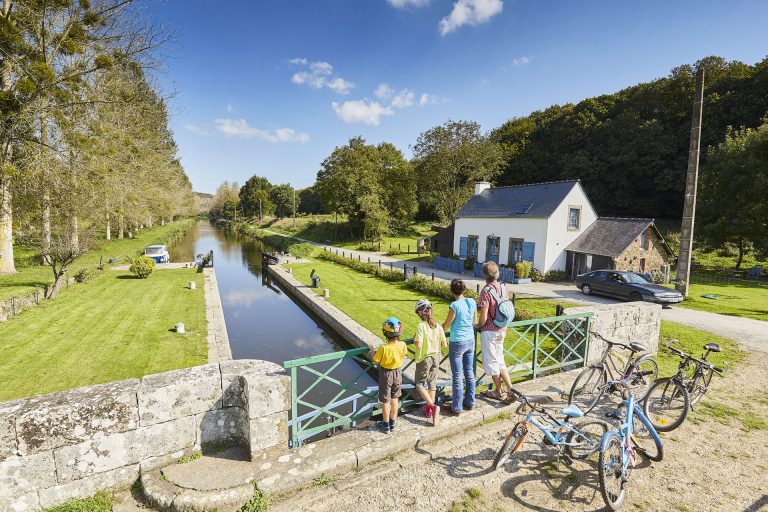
(511, 444)
(697, 388)
(644, 441)
(645, 371)
(586, 439)
(666, 405)
(613, 486)
(588, 388)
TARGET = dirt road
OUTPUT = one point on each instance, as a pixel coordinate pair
(717, 461)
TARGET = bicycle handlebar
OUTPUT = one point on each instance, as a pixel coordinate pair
(689, 357)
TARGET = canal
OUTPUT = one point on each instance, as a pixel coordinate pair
(263, 322)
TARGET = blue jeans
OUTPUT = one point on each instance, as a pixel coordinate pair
(462, 356)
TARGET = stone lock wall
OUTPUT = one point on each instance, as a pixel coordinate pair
(632, 321)
(72, 444)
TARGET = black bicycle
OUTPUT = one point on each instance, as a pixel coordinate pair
(597, 378)
(671, 398)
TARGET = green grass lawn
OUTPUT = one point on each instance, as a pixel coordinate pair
(111, 328)
(31, 275)
(733, 300)
(692, 341)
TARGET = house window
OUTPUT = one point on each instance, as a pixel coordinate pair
(574, 218)
(472, 246)
(642, 265)
(492, 249)
(644, 239)
(515, 251)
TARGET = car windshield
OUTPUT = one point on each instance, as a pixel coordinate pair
(633, 278)
(153, 251)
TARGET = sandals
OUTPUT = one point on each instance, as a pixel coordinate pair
(492, 394)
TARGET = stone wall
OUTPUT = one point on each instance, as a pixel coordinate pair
(627, 322)
(654, 255)
(71, 444)
(13, 306)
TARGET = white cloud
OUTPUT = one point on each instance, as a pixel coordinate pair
(241, 128)
(403, 99)
(470, 12)
(361, 111)
(404, 4)
(521, 61)
(319, 75)
(197, 129)
(384, 91)
(431, 99)
(230, 108)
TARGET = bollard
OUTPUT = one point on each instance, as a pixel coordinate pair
(405, 272)
(326, 293)
(433, 276)
(369, 259)
(390, 266)
(415, 270)
(180, 328)
(408, 248)
(478, 288)
(379, 263)
(192, 285)
(358, 257)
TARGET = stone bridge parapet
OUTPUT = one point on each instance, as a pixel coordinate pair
(71, 444)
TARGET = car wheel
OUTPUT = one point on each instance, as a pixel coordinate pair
(586, 289)
(635, 297)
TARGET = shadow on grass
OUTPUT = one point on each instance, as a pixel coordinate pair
(128, 277)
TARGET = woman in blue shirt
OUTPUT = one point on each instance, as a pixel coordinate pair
(461, 351)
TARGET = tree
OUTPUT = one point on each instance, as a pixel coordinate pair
(449, 159)
(398, 183)
(61, 253)
(255, 199)
(310, 201)
(734, 192)
(227, 192)
(282, 196)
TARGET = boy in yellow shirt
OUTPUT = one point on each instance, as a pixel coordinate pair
(389, 357)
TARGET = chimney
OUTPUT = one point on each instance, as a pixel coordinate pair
(480, 186)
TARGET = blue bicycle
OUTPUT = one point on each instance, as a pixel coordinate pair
(577, 440)
(618, 448)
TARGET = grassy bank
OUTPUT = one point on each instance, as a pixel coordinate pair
(31, 274)
(114, 327)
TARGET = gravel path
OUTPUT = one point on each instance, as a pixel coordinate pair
(717, 461)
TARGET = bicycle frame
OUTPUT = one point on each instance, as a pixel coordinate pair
(557, 438)
(626, 430)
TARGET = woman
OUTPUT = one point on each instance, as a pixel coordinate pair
(461, 348)
(491, 335)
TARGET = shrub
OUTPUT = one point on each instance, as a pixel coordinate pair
(368, 246)
(142, 266)
(303, 250)
(556, 275)
(394, 252)
(84, 275)
(523, 269)
(536, 275)
(469, 263)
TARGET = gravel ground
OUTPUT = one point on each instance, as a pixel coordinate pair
(718, 460)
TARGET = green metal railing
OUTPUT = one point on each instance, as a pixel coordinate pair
(533, 348)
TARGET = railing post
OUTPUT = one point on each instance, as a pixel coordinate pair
(294, 410)
(536, 351)
(586, 342)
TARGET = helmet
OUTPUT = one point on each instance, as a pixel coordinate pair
(423, 304)
(392, 327)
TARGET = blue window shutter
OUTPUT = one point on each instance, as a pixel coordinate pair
(463, 247)
(528, 250)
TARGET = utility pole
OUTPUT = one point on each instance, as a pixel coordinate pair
(294, 208)
(691, 180)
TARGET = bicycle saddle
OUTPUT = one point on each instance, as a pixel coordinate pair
(637, 347)
(712, 347)
(572, 411)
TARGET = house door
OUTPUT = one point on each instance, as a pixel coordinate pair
(492, 249)
(529, 248)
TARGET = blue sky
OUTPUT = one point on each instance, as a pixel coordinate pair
(270, 87)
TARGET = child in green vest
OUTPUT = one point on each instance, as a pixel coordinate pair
(427, 341)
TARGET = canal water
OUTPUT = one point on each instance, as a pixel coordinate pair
(263, 322)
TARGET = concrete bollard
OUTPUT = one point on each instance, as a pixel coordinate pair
(192, 285)
(180, 328)
(326, 293)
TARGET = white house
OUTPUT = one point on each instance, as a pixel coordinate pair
(526, 222)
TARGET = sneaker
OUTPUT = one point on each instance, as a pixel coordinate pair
(391, 425)
(383, 427)
(428, 410)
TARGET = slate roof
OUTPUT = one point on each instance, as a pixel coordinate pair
(520, 201)
(609, 236)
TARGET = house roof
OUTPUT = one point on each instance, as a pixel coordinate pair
(522, 201)
(609, 236)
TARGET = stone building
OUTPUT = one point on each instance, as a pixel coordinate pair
(618, 244)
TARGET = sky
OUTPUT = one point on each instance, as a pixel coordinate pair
(271, 87)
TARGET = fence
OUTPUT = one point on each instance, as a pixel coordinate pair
(506, 275)
(532, 348)
(449, 265)
(740, 279)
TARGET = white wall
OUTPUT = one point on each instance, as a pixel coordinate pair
(559, 237)
(530, 230)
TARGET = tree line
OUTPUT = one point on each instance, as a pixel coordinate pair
(629, 149)
(85, 144)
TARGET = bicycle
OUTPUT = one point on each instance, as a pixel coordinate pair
(593, 381)
(577, 441)
(669, 399)
(619, 447)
